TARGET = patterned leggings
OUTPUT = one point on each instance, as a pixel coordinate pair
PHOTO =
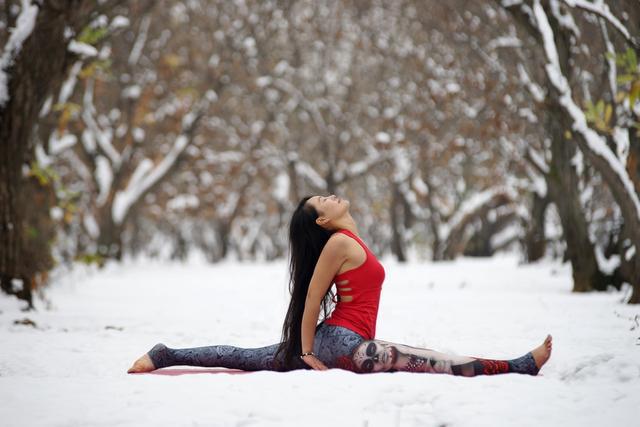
(339, 347)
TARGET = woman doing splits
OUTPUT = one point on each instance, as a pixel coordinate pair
(325, 249)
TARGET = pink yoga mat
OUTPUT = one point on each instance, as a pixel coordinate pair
(187, 371)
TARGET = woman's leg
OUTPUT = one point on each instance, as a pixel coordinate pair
(384, 356)
(223, 356)
(335, 346)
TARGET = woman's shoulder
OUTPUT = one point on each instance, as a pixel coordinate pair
(338, 241)
(339, 237)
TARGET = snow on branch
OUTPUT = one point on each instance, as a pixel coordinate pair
(310, 106)
(600, 8)
(537, 169)
(24, 27)
(361, 167)
(70, 83)
(103, 138)
(104, 178)
(565, 21)
(305, 170)
(82, 49)
(596, 143)
(147, 175)
(474, 206)
(410, 197)
(534, 89)
(134, 56)
(537, 161)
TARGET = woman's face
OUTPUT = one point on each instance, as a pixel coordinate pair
(329, 207)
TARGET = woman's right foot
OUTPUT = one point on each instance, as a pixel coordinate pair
(542, 353)
(143, 364)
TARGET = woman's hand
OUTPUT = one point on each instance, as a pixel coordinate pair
(314, 362)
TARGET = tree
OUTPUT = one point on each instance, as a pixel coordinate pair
(552, 23)
(35, 59)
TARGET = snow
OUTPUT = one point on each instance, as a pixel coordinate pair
(136, 51)
(565, 20)
(470, 205)
(419, 185)
(630, 252)
(132, 92)
(42, 158)
(263, 81)
(70, 83)
(82, 48)
(103, 137)
(183, 202)
(383, 137)
(104, 178)
(56, 213)
(504, 41)
(91, 225)
(606, 265)
(59, 143)
(281, 187)
(621, 137)
(138, 134)
(601, 9)
(24, 27)
(536, 91)
(307, 171)
(100, 322)
(119, 22)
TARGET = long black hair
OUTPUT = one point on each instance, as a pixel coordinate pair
(306, 241)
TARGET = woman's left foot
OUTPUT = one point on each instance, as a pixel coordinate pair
(143, 364)
(542, 353)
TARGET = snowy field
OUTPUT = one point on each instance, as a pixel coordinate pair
(70, 369)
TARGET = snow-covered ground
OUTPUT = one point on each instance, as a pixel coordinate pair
(70, 370)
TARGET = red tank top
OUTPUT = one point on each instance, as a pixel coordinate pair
(359, 314)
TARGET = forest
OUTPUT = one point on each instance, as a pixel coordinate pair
(456, 129)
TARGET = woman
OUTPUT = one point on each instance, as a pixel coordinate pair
(325, 249)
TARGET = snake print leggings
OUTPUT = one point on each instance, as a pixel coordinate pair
(339, 347)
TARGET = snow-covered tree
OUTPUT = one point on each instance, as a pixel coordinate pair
(39, 46)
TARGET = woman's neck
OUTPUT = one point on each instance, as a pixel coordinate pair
(346, 223)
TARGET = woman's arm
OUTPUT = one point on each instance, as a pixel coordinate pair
(333, 255)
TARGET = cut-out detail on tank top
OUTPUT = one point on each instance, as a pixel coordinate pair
(340, 297)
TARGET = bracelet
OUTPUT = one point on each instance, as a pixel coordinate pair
(309, 353)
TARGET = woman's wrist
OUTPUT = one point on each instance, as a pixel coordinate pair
(307, 353)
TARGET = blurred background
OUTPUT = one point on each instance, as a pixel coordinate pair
(458, 128)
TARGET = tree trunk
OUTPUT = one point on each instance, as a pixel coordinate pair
(39, 66)
(562, 182)
(535, 240)
(397, 216)
(480, 244)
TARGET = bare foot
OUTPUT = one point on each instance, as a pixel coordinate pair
(143, 364)
(542, 353)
